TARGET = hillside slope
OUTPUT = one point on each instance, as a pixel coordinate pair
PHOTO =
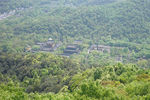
(25, 77)
(126, 20)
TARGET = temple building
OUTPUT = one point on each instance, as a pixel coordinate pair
(71, 49)
(101, 48)
(48, 45)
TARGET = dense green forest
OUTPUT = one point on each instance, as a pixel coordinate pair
(117, 24)
(48, 77)
(7, 5)
(119, 72)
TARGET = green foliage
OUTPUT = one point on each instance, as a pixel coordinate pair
(36, 76)
(107, 22)
(96, 91)
(138, 89)
(97, 74)
(8, 5)
(37, 72)
(121, 24)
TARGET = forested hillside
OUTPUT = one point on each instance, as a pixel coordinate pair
(8, 5)
(128, 20)
(124, 23)
(25, 77)
(38, 72)
(74, 50)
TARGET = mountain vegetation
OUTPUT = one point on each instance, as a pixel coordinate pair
(120, 23)
(40, 76)
(121, 72)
